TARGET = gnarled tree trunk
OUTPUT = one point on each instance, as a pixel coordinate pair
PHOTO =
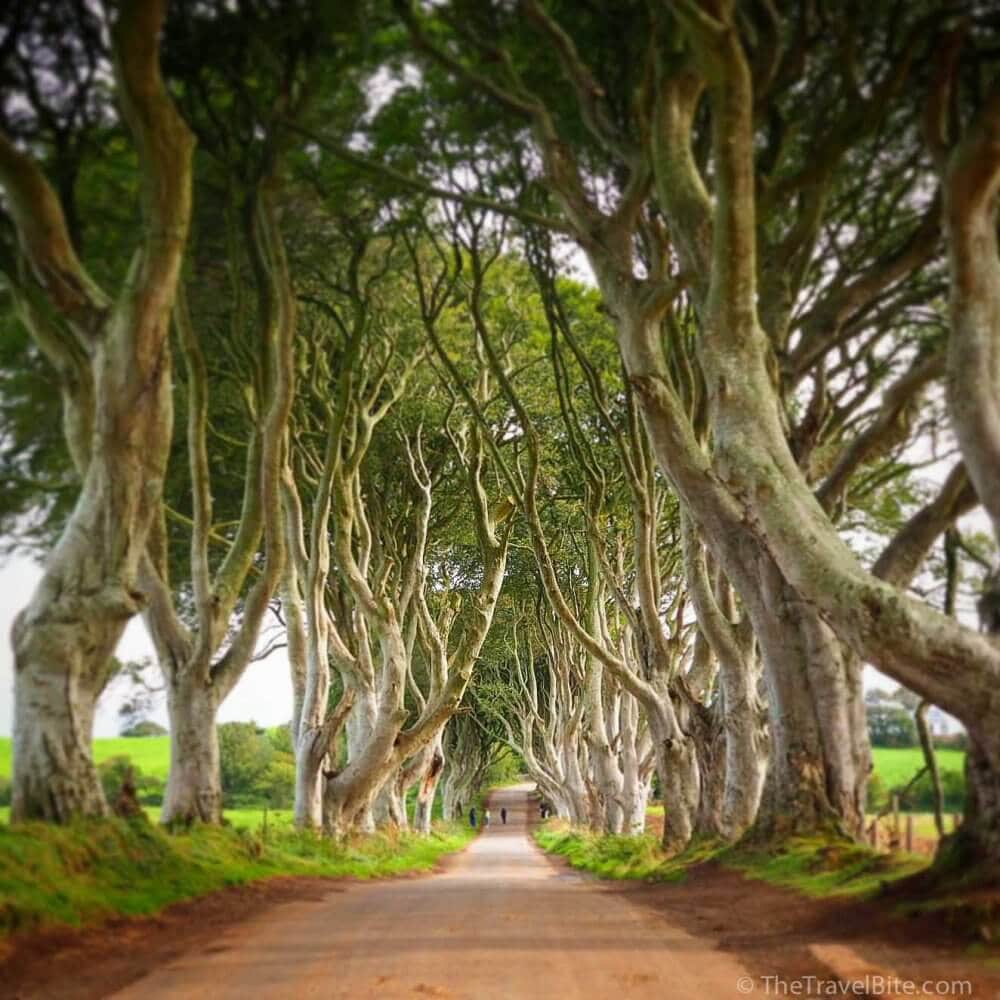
(65, 637)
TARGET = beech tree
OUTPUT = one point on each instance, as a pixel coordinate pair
(379, 603)
(113, 358)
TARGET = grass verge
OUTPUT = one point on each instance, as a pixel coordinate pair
(812, 865)
(618, 856)
(92, 870)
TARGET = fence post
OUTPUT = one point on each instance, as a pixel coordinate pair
(909, 832)
(894, 833)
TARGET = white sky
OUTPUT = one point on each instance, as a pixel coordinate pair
(264, 694)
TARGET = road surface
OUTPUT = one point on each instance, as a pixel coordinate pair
(502, 922)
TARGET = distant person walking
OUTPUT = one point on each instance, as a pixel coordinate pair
(503, 815)
(486, 818)
(472, 817)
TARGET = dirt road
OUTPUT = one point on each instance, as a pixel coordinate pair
(503, 922)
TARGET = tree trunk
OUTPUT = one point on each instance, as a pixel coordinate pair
(710, 742)
(390, 806)
(360, 726)
(54, 773)
(608, 816)
(979, 835)
(745, 749)
(308, 809)
(575, 797)
(424, 809)
(194, 787)
(65, 637)
(677, 768)
(635, 784)
(820, 757)
(349, 795)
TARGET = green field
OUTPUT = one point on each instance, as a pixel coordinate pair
(151, 754)
(896, 767)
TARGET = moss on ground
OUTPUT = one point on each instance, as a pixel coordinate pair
(92, 870)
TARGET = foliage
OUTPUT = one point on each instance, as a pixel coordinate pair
(146, 727)
(505, 769)
(91, 871)
(920, 797)
(891, 726)
(112, 772)
(878, 793)
(255, 766)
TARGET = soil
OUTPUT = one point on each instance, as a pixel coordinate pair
(502, 920)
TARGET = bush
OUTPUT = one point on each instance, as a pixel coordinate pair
(920, 797)
(891, 726)
(256, 768)
(276, 786)
(145, 728)
(878, 794)
(112, 773)
(149, 789)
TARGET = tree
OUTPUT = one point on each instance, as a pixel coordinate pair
(245, 754)
(891, 726)
(626, 158)
(113, 360)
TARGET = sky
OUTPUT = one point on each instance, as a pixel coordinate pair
(264, 695)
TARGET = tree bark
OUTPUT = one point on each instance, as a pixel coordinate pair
(54, 717)
(194, 784)
(426, 790)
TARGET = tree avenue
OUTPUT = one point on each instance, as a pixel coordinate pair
(595, 383)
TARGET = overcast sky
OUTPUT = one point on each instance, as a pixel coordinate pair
(264, 695)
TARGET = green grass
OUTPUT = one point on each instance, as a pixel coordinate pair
(815, 866)
(92, 870)
(151, 754)
(897, 766)
(240, 819)
(617, 856)
(820, 867)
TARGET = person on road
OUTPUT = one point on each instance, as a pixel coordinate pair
(486, 818)
(503, 815)
(472, 817)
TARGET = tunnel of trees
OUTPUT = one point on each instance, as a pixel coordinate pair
(611, 382)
